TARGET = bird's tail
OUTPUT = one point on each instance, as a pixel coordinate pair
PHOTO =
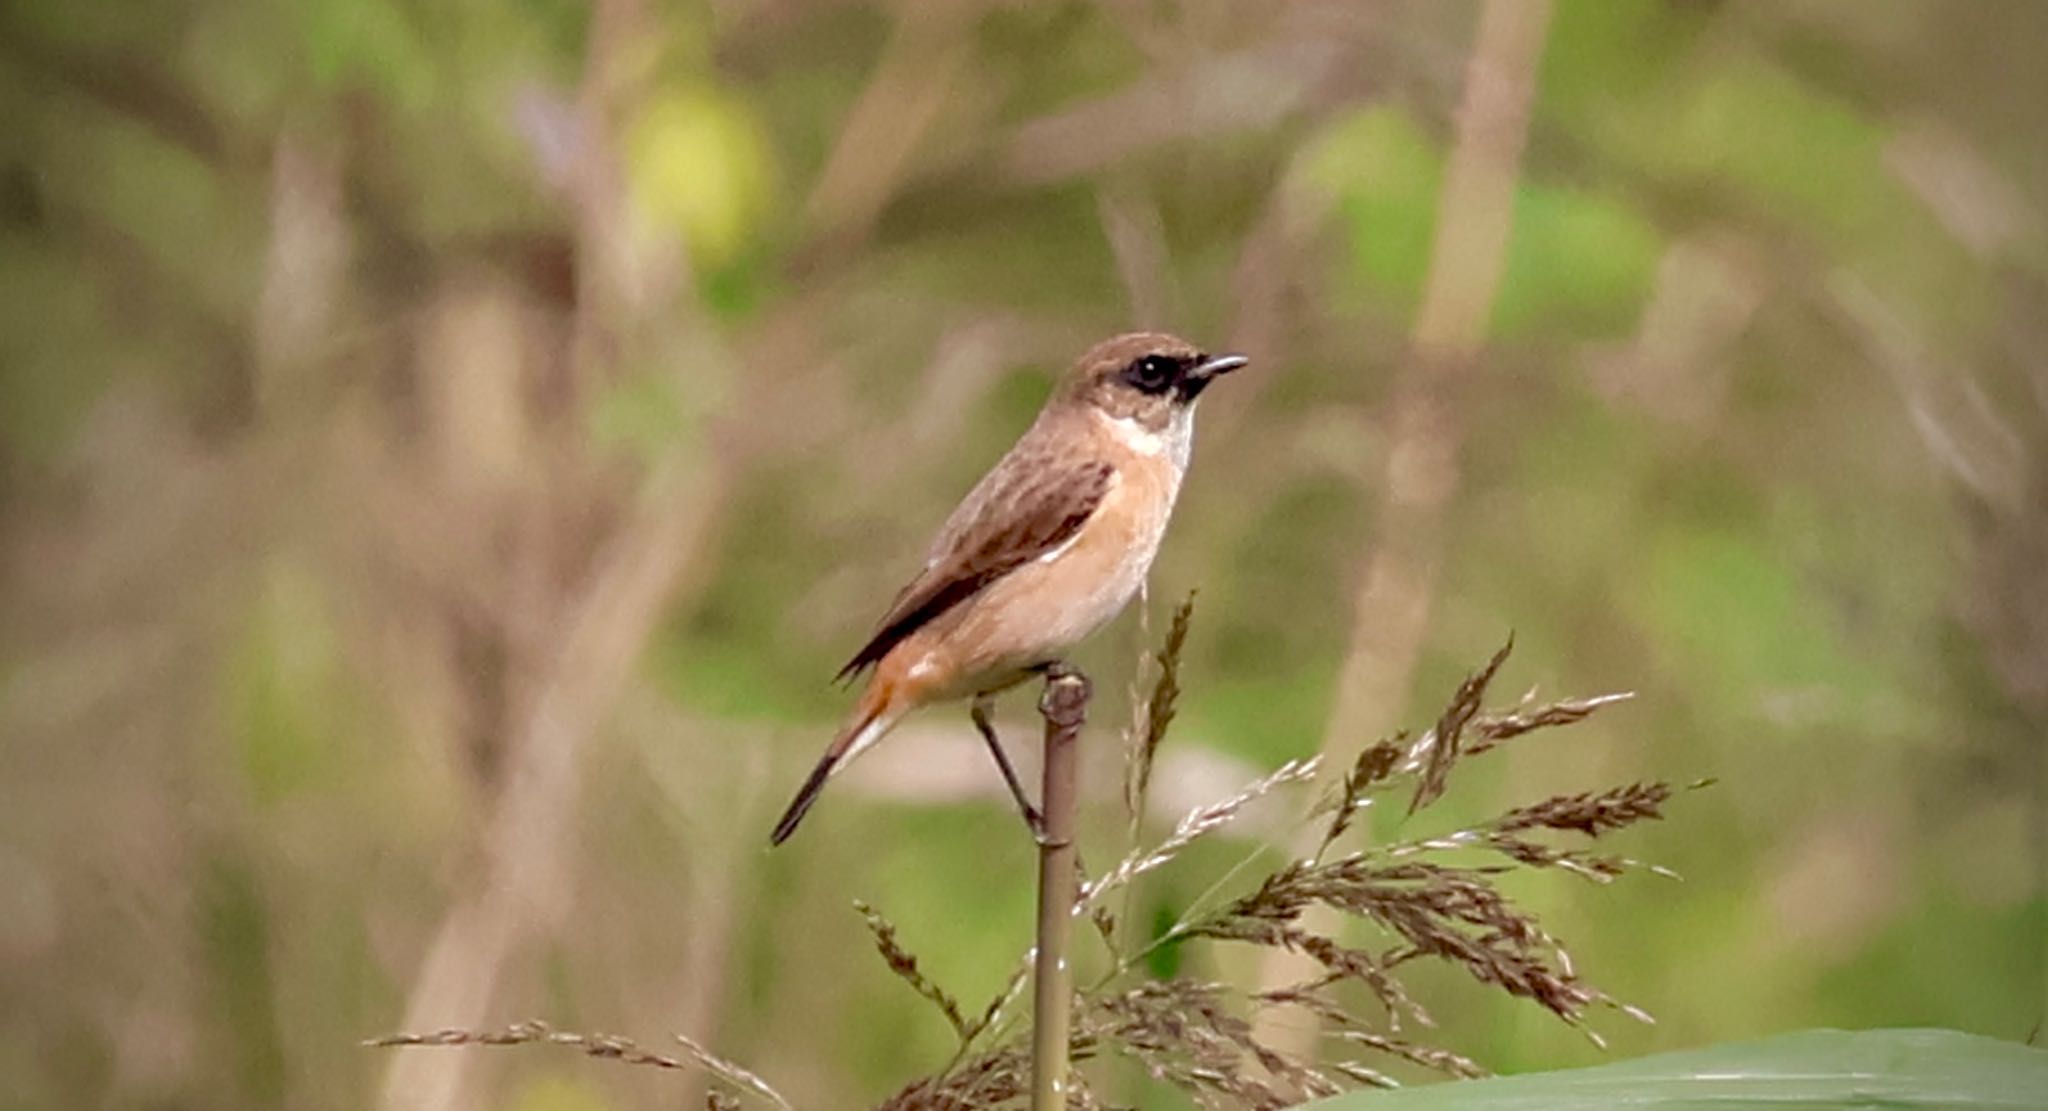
(875, 717)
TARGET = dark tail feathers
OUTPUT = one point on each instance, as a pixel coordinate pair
(801, 805)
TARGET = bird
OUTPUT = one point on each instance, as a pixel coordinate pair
(1050, 545)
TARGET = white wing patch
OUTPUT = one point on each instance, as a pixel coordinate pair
(1055, 553)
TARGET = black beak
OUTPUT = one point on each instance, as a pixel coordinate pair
(1196, 378)
(1214, 365)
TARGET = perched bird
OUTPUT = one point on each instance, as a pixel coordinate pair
(1048, 547)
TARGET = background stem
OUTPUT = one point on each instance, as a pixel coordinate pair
(1064, 706)
(1390, 618)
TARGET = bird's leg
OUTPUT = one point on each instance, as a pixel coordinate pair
(978, 710)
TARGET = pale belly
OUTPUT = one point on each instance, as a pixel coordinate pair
(1035, 614)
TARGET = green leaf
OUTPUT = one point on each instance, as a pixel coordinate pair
(288, 704)
(1736, 612)
(1809, 1069)
(238, 938)
(1384, 173)
(1577, 260)
(701, 164)
(375, 42)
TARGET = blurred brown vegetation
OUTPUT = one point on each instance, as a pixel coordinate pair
(448, 446)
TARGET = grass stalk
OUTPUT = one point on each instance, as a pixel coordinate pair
(1064, 705)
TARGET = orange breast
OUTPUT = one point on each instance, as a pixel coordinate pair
(1034, 614)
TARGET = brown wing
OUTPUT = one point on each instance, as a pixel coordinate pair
(1026, 507)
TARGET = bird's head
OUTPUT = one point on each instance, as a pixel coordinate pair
(1148, 378)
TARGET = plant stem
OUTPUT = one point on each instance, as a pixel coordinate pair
(1064, 705)
(1468, 255)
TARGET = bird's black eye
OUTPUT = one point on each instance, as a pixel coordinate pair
(1153, 373)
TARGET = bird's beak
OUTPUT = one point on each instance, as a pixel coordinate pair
(1215, 365)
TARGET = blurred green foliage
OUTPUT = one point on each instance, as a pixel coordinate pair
(291, 549)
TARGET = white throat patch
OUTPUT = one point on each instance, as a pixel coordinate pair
(1174, 442)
